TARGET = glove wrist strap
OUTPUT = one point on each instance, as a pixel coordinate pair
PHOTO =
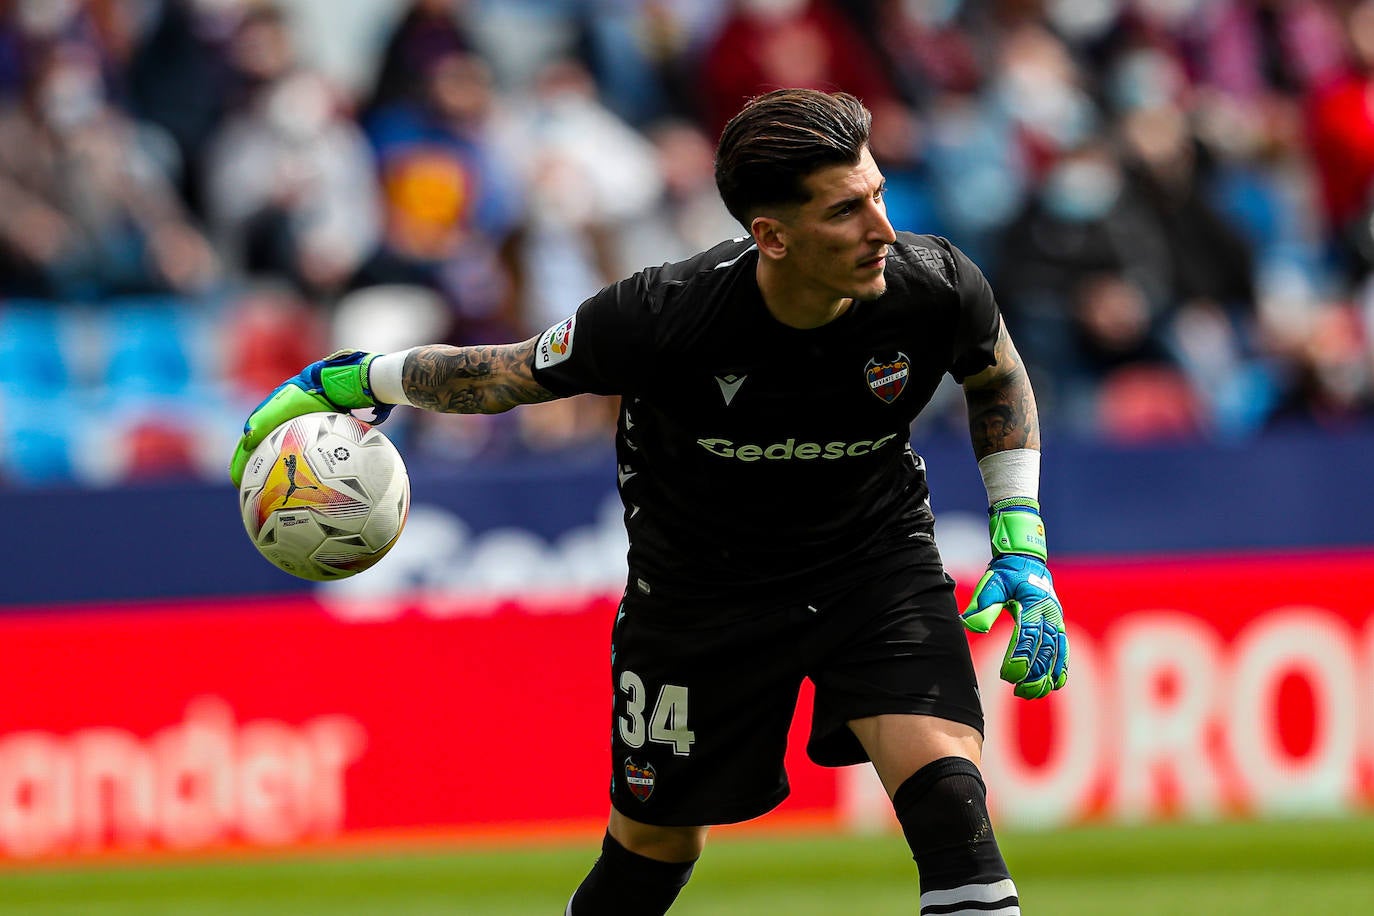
(1015, 527)
(347, 385)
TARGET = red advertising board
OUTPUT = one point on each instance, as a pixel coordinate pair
(1198, 687)
(199, 725)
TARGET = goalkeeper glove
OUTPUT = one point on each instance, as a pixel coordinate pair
(338, 382)
(1017, 580)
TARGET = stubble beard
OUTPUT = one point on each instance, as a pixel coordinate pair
(873, 292)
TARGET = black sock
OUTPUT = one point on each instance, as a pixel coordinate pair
(944, 814)
(624, 883)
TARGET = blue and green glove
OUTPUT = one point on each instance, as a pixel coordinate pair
(1017, 580)
(338, 382)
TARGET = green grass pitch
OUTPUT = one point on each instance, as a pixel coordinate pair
(1254, 869)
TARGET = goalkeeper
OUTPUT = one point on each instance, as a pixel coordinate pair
(779, 521)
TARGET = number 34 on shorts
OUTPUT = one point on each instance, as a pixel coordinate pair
(666, 722)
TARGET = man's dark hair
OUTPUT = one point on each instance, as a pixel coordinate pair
(778, 139)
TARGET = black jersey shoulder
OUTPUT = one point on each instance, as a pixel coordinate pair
(925, 262)
(699, 277)
(703, 269)
(685, 295)
(627, 334)
(931, 270)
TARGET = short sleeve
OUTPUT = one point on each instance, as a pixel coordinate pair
(596, 350)
(975, 343)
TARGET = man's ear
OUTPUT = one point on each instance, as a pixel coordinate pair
(770, 234)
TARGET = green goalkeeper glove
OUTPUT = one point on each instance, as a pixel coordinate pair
(338, 382)
(1017, 580)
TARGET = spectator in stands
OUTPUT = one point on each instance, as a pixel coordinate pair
(1251, 49)
(451, 203)
(1209, 290)
(1080, 224)
(586, 173)
(261, 51)
(426, 31)
(1041, 88)
(1341, 128)
(688, 213)
(1119, 355)
(179, 76)
(927, 46)
(1171, 148)
(1328, 380)
(12, 54)
(1208, 259)
(90, 209)
(589, 177)
(291, 187)
(766, 44)
(28, 29)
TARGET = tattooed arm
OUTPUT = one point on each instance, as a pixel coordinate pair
(1001, 405)
(1006, 440)
(452, 379)
(482, 379)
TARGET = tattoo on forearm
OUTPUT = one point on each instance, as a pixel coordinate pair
(484, 379)
(1001, 406)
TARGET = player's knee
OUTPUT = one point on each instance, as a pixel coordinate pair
(943, 811)
(664, 844)
(942, 804)
(626, 883)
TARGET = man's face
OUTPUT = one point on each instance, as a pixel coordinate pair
(837, 241)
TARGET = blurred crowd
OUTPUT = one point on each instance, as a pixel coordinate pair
(1172, 198)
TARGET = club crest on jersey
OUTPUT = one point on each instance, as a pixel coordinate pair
(640, 779)
(887, 380)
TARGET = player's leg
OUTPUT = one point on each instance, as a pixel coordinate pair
(929, 767)
(666, 844)
(641, 869)
(899, 745)
(698, 736)
(899, 689)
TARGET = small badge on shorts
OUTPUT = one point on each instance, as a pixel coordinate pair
(887, 379)
(640, 779)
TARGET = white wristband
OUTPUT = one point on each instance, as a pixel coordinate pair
(1014, 472)
(384, 377)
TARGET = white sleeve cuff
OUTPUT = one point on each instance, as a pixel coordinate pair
(384, 377)
(1014, 472)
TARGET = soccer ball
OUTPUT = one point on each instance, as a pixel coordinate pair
(324, 496)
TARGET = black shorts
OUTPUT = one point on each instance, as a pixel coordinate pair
(704, 697)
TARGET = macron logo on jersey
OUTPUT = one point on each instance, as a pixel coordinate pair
(729, 386)
(555, 344)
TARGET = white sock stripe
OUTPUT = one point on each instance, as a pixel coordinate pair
(970, 893)
(1013, 910)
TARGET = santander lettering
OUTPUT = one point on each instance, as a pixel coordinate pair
(202, 782)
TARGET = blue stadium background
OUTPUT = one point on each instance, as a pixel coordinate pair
(1171, 200)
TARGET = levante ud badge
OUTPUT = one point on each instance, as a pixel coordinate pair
(640, 779)
(887, 380)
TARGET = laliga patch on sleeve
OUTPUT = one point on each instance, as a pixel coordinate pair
(555, 344)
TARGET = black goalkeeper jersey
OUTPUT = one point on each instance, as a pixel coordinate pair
(757, 458)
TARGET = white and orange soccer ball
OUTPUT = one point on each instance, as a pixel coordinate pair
(324, 496)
